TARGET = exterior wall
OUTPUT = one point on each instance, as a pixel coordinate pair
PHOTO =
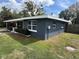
(40, 28)
(53, 29)
(43, 32)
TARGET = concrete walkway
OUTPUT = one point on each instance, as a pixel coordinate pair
(3, 29)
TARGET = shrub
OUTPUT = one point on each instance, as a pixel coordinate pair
(23, 31)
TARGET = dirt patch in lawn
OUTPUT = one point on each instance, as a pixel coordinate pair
(70, 48)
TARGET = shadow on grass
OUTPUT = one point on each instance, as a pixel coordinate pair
(22, 38)
(73, 32)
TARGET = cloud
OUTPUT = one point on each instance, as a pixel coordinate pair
(47, 2)
(64, 3)
(44, 2)
(12, 4)
(12, 1)
(17, 5)
(77, 0)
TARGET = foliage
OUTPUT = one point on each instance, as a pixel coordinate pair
(31, 9)
(66, 14)
(2, 24)
(77, 19)
(5, 14)
(26, 32)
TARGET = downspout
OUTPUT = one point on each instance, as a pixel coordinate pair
(7, 26)
(16, 25)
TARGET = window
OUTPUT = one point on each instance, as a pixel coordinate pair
(32, 25)
(54, 26)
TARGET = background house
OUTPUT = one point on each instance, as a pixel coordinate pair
(38, 26)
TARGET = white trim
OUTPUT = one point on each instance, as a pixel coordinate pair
(32, 30)
(16, 25)
(37, 17)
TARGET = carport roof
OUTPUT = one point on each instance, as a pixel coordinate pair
(37, 17)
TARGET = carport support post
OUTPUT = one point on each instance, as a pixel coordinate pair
(6, 26)
(16, 25)
(47, 34)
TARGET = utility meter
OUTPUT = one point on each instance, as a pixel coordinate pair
(49, 27)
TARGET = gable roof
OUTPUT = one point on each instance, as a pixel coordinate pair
(37, 17)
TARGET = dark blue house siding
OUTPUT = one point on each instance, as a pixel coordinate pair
(42, 28)
(60, 26)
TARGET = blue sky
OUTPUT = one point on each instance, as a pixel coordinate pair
(54, 6)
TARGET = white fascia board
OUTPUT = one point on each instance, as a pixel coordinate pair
(25, 18)
(59, 19)
(37, 17)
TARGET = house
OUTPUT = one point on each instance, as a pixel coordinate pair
(38, 26)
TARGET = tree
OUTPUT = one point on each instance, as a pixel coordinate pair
(76, 21)
(66, 14)
(5, 14)
(72, 13)
(32, 9)
(23, 13)
(16, 15)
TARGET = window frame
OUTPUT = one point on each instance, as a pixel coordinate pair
(31, 25)
(54, 26)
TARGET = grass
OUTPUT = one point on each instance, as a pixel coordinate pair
(15, 46)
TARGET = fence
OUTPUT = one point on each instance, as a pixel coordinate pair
(74, 28)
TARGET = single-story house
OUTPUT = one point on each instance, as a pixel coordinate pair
(38, 26)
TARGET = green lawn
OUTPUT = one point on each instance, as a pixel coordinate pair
(15, 46)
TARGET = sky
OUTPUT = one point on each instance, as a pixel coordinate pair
(50, 6)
